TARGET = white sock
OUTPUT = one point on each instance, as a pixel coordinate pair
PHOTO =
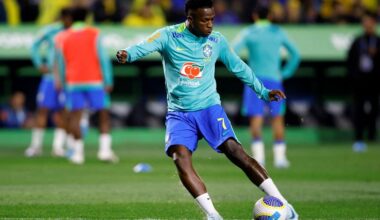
(258, 151)
(271, 189)
(37, 137)
(279, 151)
(205, 203)
(70, 141)
(105, 142)
(78, 147)
(59, 138)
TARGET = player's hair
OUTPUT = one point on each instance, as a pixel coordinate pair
(79, 14)
(195, 4)
(261, 12)
(66, 12)
(370, 14)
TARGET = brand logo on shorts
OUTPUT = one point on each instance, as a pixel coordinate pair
(192, 70)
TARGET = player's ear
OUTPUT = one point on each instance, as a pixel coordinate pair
(190, 19)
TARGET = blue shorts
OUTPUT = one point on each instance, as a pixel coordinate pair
(253, 106)
(186, 128)
(95, 99)
(48, 97)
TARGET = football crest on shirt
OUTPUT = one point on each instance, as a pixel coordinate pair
(191, 70)
(207, 50)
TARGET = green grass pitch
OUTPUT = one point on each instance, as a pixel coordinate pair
(325, 181)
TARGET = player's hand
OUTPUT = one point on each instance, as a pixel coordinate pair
(276, 95)
(108, 89)
(43, 69)
(121, 56)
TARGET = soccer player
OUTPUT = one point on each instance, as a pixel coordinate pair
(364, 70)
(48, 97)
(264, 42)
(189, 51)
(85, 72)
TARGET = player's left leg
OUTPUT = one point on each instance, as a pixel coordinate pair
(254, 171)
(75, 104)
(60, 133)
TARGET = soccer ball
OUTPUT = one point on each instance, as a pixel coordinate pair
(269, 208)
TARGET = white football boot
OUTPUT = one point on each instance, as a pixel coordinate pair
(279, 153)
(33, 152)
(107, 156)
(78, 153)
(258, 152)
(214, 216)
(58, 152)
(292, 214)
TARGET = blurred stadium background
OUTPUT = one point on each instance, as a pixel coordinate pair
(326, 179)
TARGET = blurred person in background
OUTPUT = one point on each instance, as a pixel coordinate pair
(175, 13)
(224, 14)
(14, 115)
(363, 65)
(49, 99)
(9, 12)
(29, 10)
(108, 10)
(145, 13)
(49, 10)
(85, 72)
(263, 41)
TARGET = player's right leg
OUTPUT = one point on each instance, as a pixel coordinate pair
(279, 147)
(78, 144)
(253, 107)
(44, 102)
(181, 140)
(257, 145)
(277, 111)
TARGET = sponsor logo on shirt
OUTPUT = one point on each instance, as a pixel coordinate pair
(189, 83)
(213, 39)
(207, 50)
(191, 70)
(177, 35)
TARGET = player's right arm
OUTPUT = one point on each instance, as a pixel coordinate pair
(240, 42)
(155, 42)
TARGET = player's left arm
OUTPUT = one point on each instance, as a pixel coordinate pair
(242, 71)
(105, 63)
(293, 60)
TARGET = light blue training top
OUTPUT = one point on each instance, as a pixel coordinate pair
(189, 66)
(264, 41)
(45, 38)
